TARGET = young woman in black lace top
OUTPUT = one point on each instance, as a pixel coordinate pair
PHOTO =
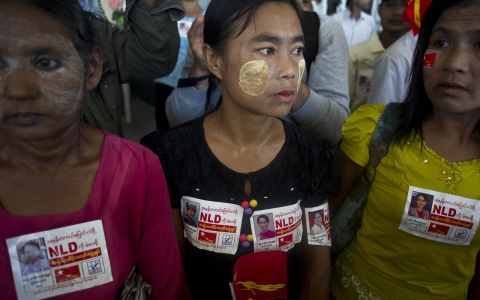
(242, 161)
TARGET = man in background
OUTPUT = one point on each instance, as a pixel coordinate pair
(145, 48)
(392, 67)
(357, 24)
(364, 55)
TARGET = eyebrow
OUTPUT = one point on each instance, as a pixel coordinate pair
(275, 39)
(451, 32)
(46, 51)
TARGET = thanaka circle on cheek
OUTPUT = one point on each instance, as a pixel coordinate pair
(429, 58)
(254, 77)
(301, 69)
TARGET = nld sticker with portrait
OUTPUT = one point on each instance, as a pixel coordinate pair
(59, 261)
(318, 225)
(212, 226)
(277, 228)
(440, 217)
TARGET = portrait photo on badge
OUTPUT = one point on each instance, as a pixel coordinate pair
(420, 205)
(32, 256)
(191, 212)
(316, 222)
(264, 227)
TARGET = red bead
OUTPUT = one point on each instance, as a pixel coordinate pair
(243, 237)
(245, 204)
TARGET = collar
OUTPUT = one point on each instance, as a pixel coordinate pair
(349, 15)
(374, 43)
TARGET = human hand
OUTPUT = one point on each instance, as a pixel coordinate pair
(195, 37)
(301, 97)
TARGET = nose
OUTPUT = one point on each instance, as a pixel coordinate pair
(287, 67)
(456, 60)
(19, 83)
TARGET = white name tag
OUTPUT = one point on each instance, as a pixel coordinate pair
(183, 28)
(59, 261)
(278, 228)
(318, 229)
(440, 217)
(212, 226)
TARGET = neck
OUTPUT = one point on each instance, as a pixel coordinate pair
(242, 128)
(387, 38)
(419, 209)
(355, 10)
(38, 155)
(192, 9)
(453, 136)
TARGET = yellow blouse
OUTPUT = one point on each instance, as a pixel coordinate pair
(384, 262)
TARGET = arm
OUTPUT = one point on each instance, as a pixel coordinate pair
(323, 106)
(316, 263)
(350, 173)
(148, 46)
(474, 288)
(178, 224)
(188, 103)
(158, 246)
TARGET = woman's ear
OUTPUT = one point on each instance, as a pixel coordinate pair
(213, 61)
(93, 72)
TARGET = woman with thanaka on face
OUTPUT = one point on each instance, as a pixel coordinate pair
(56, 171)
(436, 147)
(243, 150)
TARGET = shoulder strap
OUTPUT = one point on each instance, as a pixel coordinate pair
(378, 148)
(383, 134)
(310, 27)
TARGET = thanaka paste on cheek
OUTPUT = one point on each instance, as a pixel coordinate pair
(301, 69)
(254, 77)
(429, 59)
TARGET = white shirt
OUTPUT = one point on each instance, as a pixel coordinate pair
(391, 71)
(356, 31)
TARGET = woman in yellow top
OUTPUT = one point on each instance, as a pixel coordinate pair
(436, 151)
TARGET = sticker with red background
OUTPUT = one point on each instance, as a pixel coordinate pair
(440, 217)
(59, 261)
(429, 59)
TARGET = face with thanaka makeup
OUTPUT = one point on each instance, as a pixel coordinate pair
(261, 68)
(43, 74)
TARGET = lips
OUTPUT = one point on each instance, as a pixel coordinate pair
(451, 87)
(286, 95)
(25, 119)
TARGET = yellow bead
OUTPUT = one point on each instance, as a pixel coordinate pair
(253, 203)
(250, 237)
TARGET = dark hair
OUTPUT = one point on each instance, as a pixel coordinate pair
(420, 194)
(417, 107)
(263, 216)
(71, 14)
(227, 19)
(31, 244)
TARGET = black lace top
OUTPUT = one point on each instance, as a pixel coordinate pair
(306, 169)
